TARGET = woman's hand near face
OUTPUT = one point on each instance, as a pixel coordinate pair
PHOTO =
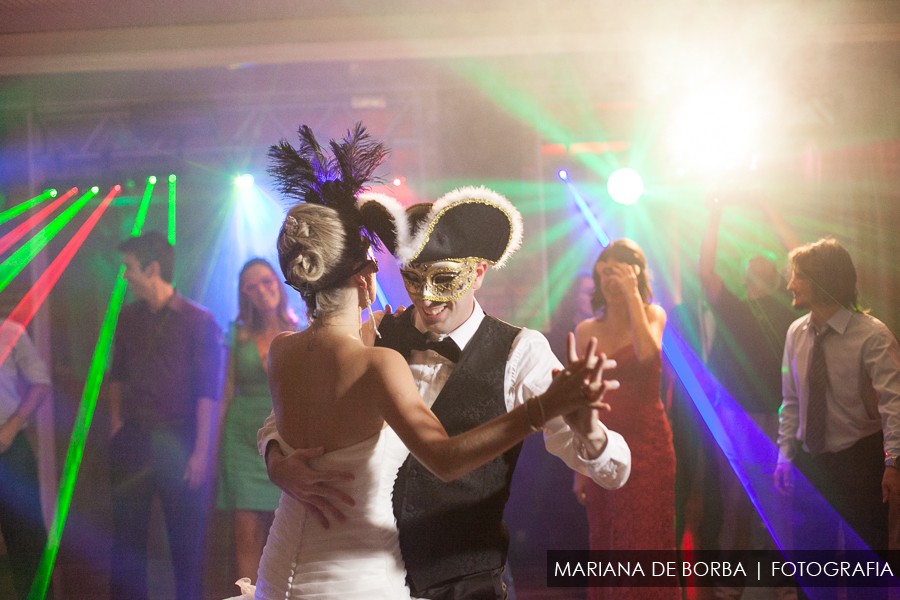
(625, 276)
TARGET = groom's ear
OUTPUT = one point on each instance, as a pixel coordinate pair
(480, 270)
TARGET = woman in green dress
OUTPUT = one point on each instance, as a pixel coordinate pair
(244, 486)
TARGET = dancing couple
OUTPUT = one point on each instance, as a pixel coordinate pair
(361, 434)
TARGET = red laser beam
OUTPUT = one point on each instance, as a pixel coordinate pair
(16, 234)
(31, 302)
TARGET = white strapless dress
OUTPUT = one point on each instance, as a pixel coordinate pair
(359, 558)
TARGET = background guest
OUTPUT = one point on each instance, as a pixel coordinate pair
(840, 415)
(745, 357)
(20, 502)
(166, 373)
(244, 486)
(640, 515)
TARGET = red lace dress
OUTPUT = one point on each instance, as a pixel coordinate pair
(641, 514)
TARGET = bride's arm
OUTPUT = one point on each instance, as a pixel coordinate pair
(451, 457)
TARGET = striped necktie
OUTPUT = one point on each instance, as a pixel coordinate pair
(816, 408)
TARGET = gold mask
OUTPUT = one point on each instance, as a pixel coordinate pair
(440, 281)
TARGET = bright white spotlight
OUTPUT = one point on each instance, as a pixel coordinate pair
(245, 181)
(397, 182)
(625, 186)
(563, 174)
(716, 128)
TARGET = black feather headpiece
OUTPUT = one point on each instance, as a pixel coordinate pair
(308, 174)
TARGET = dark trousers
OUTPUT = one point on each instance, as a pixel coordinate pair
(850, 481)
(20, 512)
(480, 586)
(146, 462)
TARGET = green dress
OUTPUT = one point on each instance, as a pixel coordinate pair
(243, 480)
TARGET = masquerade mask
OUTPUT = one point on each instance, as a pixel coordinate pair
(440, 281)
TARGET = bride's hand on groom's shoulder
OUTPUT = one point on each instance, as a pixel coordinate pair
(369, 333)
(308, 486)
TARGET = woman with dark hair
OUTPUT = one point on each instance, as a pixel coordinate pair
(629, 329)
(244, 486)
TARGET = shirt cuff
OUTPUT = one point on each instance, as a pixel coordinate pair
(786, 453)
(611, 469)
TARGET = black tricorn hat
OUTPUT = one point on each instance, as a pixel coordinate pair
(468, 222)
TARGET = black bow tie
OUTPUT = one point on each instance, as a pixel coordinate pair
(400, 334)
(446, 347)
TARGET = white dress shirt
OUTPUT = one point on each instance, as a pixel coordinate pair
(23, 361)
(528, 373)
(863, 392)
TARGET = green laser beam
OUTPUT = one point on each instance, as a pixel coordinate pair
(172, 209)
(83, 423)
(19, 259)
(79, 437)
(18, 209)
(142, 210)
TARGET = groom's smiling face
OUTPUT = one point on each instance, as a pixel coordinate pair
(435, 311)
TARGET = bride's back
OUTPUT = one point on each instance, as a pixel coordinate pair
(320, 389)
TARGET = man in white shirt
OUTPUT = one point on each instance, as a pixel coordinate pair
(840, 414)
(21, 519)
(468, 367)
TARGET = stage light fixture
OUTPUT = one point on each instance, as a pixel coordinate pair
(563, 175)
(625, 186)
(244, 181)
(53, 193)
(397, 182)
(152, 180)
(172, 178)
(95, 189)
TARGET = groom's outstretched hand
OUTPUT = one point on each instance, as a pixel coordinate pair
(584, 422)
(304, 484)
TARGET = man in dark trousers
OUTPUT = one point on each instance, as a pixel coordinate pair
(840, 413)
(163, 395)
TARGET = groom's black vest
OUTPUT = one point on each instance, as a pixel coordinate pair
(449, 530)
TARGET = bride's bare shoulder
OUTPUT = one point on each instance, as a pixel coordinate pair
(385, 361)
(284, 344)
(380, 357)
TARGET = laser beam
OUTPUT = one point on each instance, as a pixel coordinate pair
(172, 180)
(83, 423)
(142, 209)
(588, 215)
(8, 240)
(19, 259)
(32, 300)
(9, 213)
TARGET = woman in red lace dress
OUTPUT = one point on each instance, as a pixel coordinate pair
(640, 515)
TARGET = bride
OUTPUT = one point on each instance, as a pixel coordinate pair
(360, 404)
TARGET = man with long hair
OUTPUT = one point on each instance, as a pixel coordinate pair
(840, 414)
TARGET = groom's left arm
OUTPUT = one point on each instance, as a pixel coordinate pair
(584, 443)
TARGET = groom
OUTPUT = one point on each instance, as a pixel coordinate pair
(469, 368)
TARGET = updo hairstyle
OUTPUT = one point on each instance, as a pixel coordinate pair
(311, 253)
